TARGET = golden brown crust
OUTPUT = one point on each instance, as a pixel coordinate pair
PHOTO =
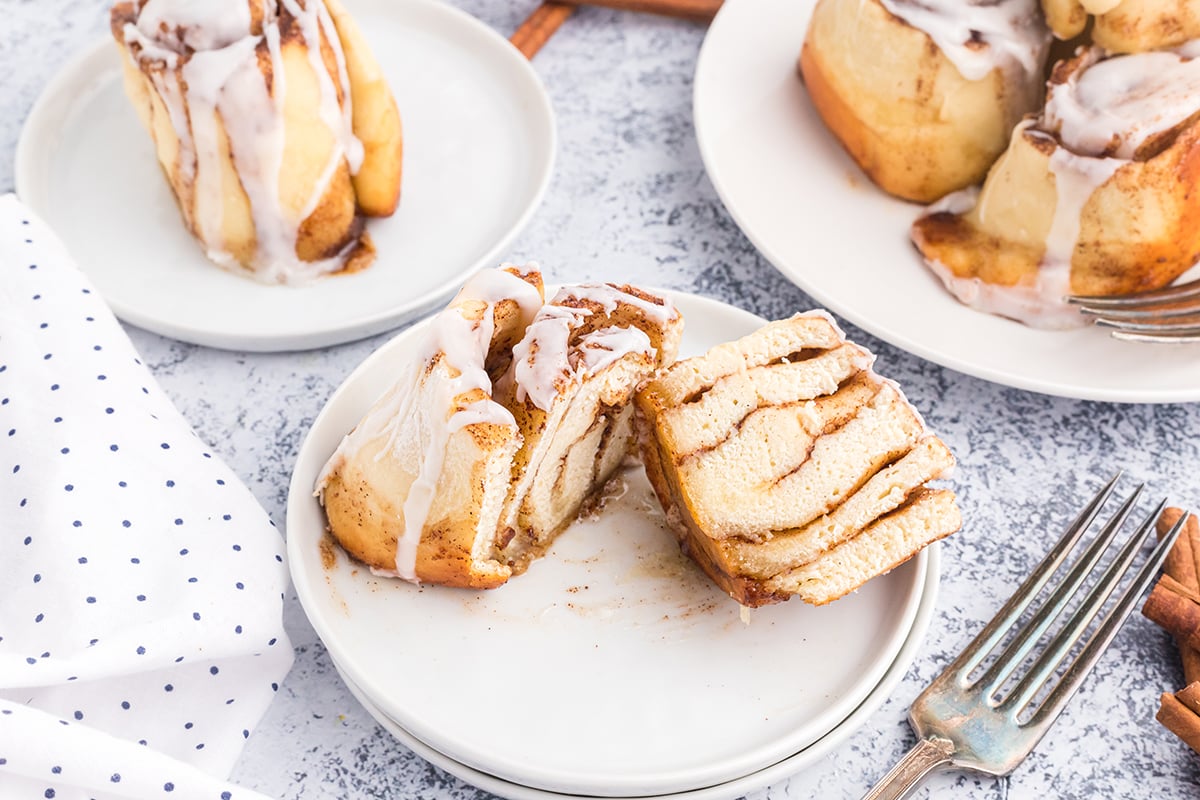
(1139, 230)
(367, 484)
(835, 466)
(1129, 26)
(335, 228)
(905, 114)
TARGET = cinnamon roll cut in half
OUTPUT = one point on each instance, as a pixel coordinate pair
(1126, 26)
(788, 467)
(495, 436)
(923, 93)
(417, 489)
(1095, 195)
(571, 390)
(273, 125)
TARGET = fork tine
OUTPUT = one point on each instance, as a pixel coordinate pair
(1176, 337)
(1183, 291)
(1087, 658)
(1151, 324)
(1174, 312)
(1027, 637)
(994, 631)
(1046, 663)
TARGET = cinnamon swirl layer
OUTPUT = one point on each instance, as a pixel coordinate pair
(1095, 195)
(784, 450)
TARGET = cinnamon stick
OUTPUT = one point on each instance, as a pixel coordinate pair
(1175, 613)
(701, 10)
(1183, 566)
(1181, 561)
(537, 29)
(1190, 696)
(1179, 719)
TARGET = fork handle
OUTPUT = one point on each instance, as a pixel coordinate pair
(926, 755)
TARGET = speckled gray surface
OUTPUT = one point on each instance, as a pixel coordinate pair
(630, 198)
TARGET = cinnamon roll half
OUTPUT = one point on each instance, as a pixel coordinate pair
(924, 93)
(1095, 195)
(495, 436)
(788, 467)
(417, 490)
(273, 125)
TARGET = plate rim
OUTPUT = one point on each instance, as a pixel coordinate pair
(1068, 390)
(299, 506)
(78, 71)
(738, 787)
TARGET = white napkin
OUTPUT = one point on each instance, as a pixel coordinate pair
(141, 584)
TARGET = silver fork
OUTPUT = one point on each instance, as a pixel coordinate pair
(976, 717)
(1170, 314)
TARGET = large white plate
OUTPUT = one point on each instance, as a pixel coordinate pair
(479, 142)
(738, 787)
(810, 211)
(613, 667)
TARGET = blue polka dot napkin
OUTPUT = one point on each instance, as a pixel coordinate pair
(141, 584)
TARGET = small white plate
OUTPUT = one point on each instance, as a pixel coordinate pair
(479, 143)
(814, 215)
(612, 667)
(738, 787)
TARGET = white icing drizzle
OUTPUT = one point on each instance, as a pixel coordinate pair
(980, 35)
(181, 25)
(1075, 178)
(210, 48)
(1115, 105)
(542, 359)
(1037, 306)
(428, 400)
(601, 349)
(1098, 118)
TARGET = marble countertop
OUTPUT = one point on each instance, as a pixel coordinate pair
(630, 192)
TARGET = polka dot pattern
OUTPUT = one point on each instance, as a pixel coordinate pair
(138, 560)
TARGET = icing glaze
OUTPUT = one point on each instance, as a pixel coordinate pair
(426, 400)
(542, 359)
(203, 61)
(980, 35)
(1112, 106)
(1097, 118)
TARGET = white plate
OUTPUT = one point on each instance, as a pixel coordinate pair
(814, 215)
(613, 667)
(479, 142)
(738, 787)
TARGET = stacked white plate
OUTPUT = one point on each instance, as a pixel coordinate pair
(613, 667)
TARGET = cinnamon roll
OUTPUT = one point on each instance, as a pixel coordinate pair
(1095, 195)
(571, 390)
(495, 436)
(1126, 26)
(923, 95)
(788, 467)
(417, 489)
(273, 125)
